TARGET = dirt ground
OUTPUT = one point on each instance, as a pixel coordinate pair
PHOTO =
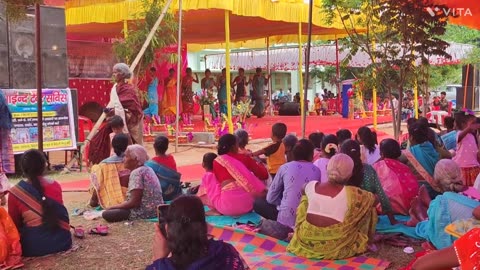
(128, 245)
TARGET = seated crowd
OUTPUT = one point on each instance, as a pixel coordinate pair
(323, 195)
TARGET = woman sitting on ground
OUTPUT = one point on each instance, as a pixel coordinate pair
(186, 245)
(398, 182)
(421, 157)
(289, 142)
(365, 177)
(110, 178)
(283, 197)
(36, 208)
(334, 221)
(10, 247)
(430, 217)
(144, 190)
(316, 139)
(329, 148)
(235, 181)
(242, 138)
(166, 169)
(370, 152)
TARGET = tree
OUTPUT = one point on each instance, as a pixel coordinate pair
(127, 49)
(16, 9)
(398, 38)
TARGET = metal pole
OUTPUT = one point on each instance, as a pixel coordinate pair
(38, 56)
(300, 77)
(269, 87)
(227, 66)
(307, 67)
(179, 72)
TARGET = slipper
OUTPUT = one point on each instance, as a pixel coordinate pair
(78, 232)
(100, 230)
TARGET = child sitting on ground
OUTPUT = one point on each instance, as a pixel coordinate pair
(316, 139)
(275, 152)
(207, 164)
(467, 146)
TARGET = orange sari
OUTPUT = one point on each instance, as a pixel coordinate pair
(10, 248)
(169, 102)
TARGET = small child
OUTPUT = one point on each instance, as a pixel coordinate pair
(275, 152)
(208, 179)
(161, 146)
(118, 127)
(467, 147)
(316, 139)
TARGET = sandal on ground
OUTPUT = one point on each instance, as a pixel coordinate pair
(78, 232)
(99, 230)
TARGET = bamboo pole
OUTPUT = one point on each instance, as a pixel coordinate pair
(38, 74)
(300, 75)
(227, 66)
(374, 93)
(179, 73)
(269, 85)
(415, 97)
(307, 67)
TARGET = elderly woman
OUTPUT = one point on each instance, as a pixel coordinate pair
(242, 138)
(124, 102)
(144, 190)
(431, 217)
(334, 221)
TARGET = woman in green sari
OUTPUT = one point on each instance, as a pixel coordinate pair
(334, 221)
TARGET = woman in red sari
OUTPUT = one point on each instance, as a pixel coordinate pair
(187, 96)
(124, 102)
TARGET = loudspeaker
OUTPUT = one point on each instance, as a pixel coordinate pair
(21, 36)
(4, 69)
(54, 47)
(470, 79)
(289, 108)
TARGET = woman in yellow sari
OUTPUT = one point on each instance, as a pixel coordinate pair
(169, 102)
(334, 221)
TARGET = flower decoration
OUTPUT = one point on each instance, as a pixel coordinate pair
(190, 137)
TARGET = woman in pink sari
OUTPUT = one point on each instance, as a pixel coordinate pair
(398, 182)
(232, 181)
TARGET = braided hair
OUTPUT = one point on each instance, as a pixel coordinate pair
(33, 165)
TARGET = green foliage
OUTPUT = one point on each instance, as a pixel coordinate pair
(397, 35)
(16, 9)
(462, 34)
(127, 49)
(443, 75)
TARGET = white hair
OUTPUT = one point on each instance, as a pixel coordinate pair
(123, 69)
(138, 152)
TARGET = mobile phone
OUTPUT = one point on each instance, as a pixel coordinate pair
(162, 212)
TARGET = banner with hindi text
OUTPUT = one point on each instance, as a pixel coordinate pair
(58, 119)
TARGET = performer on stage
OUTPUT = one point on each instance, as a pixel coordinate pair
(7, 162)
(152, 94)
(187, 96)
(222, 91)
(207, 85)
(169, 102)
(241, 82)
(259, 82)
(124, 102)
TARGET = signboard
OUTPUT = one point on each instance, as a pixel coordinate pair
(58, 119)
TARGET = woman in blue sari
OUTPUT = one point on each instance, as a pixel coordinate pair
(36, 208)
(422, 157)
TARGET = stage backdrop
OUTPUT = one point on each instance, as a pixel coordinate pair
(58, 119)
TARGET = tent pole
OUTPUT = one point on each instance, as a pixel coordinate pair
(300, 77)
(38, 74)
(269, 74)
(179, 73)
(307, 66)
(227, 66)
(465, 86)
(415, 96)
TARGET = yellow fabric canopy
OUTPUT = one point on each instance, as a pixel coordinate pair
(203, 23)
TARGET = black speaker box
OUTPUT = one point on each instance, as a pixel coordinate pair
(289, 108)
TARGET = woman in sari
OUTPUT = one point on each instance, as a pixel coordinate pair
(110, 178)
(169, 102)
(36, 208)
(165, 168)
(207, 84)
(235, 179)
(421, 157)
(185, 238)
(398, 182)
(124, 102)
(222, 91)
(334, 221)
(187, 96)
(10, 248)
(259, 82)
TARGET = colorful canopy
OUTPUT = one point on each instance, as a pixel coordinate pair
(467, 11)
